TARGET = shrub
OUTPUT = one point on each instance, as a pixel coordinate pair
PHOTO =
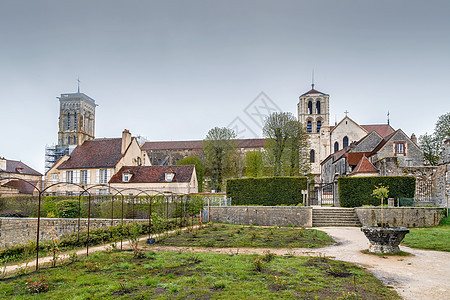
(267, 191)
(357, 191)
(67, 209)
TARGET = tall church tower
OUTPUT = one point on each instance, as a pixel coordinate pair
(314, 114)
(76, 119)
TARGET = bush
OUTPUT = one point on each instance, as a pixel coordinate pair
(356, 191)
(67, 209)
(267, 191)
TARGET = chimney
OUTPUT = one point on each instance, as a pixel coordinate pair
(414, 138)
(2, 164)
(126, 140)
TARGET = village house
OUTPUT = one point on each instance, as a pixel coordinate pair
(92, 164)
(12, 176)
(132, 180)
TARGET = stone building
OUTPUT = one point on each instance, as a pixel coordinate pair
(155, 180)
(93, 164)
(12, 174)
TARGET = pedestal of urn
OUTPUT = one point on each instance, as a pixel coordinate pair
(384, 239)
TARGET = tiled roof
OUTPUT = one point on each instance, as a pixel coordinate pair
(13, 166)
(353, 158)
(382, 129)
(364, 166)
(198, 144)
(22, 186)
(312, 91)
(154, 174)
(99, 153)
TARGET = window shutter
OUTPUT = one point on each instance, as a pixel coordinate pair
(108, 175)
(77, 177)
(88, 180)
(64, 173)
(97, 176)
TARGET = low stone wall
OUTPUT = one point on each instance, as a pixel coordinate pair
(400, 216)
(261, 215)
(21, 230)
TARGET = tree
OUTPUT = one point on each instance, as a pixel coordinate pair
(254, 163)
(219, 149)
(433, 143)
(286, 143)
(199, 168)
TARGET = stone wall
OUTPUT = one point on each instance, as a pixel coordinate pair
(400, 216)
(21, 230)
(261, 215)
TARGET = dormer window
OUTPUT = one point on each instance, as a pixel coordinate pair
(169, 177)
(19, 170)
(126, 176)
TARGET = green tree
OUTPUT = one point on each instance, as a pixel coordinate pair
(254, 163)
(433, 143)
(219, 150)
(286, 144)
(199, 168)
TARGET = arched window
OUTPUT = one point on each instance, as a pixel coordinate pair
(69, 140)
(74, 140)
(75, 121)
(310, 107)
(319, 124)
(309, 127)
(68, 121)
(345, 142)
(336, 147)
(312, 156)
(318, 107)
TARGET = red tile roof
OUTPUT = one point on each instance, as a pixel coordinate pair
(353, 158)
(198, 144)
(364, 166)
(99, 153)
(154, 174)
(13, 166)
(382, 129)
(22, 186)
(312, 91)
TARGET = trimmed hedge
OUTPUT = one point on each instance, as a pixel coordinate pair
(266, 191)
(67, 209)
(356, 191)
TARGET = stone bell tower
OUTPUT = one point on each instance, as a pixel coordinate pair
(314, 114)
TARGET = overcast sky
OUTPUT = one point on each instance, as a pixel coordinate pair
(172, 70)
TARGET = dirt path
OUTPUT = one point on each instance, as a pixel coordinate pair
(425, 275)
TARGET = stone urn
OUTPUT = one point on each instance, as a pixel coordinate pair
(384, 239)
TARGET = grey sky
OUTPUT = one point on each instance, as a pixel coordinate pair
(171, 70)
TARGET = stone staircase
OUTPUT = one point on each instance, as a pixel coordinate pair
(346, 217)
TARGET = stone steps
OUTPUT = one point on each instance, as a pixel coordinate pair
(335, 217)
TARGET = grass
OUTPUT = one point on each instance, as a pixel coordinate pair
(434, 238)
(163, 275)
(238, 236)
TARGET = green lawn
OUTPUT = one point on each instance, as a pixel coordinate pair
(239, 236)
(173, 275)
(434, 238)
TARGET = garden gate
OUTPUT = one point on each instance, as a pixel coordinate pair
(322, 194)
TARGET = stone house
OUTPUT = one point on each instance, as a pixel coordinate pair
(11, 171)
(155, 180)
(92, 165)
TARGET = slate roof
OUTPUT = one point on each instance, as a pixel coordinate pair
(198, 144)
(154, 174)
(365, 166)
(99, 153)
(12, 166)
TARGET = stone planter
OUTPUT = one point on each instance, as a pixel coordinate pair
(384, 239)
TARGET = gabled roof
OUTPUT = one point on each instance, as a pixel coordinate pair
(382, 129)
(98, 153)
(154, 174)
(383, 142)
(18, 167)
(353, 158)
(198, 144)
(365, 166)
(312, 91)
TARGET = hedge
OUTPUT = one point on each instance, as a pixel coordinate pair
(266, 191)
(356, 191)
(67, 209)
